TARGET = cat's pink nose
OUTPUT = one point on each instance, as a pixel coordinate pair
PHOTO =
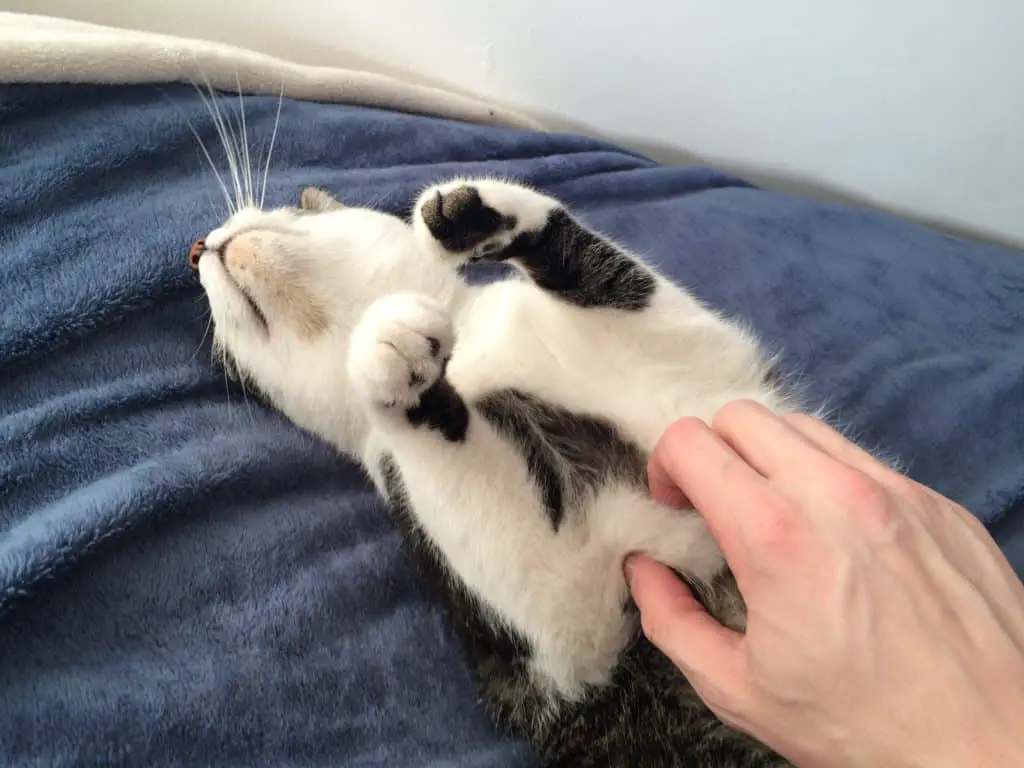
(195, 252)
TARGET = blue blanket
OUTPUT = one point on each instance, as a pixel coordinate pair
(187, 579)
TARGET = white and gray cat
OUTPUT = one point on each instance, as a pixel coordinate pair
(509, 426)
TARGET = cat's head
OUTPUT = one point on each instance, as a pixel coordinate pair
(285, 287)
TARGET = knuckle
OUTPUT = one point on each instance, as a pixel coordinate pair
(914, 492)
(860, 489)
(731, 414)
(801, 421)
(687, 428)
(868, 501)
(681, 431)
(913, 501)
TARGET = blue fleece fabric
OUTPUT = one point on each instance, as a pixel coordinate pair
(187, 579)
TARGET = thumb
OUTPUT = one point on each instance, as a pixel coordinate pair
(672, 619)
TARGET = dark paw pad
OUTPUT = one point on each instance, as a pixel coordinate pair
(460, 220)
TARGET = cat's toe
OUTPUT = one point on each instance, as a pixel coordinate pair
(461, 222)
(400, 349)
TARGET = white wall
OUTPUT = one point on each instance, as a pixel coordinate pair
(914, 105)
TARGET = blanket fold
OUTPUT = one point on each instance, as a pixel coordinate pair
(42, 49)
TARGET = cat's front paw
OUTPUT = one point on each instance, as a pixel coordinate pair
(478, 219)
(399, 349)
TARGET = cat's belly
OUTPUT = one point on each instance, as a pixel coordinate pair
(598, 362)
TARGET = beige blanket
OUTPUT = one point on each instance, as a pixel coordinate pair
(41, 49)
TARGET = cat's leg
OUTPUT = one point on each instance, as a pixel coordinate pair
(420, 453)
(462, 494)
(697, 358)
(488, 220)
(501, 221)
(398, 354)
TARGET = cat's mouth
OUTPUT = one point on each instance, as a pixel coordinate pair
(250, 300)
(253, 306)
(197, 251)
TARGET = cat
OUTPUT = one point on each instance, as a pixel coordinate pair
(508, 426)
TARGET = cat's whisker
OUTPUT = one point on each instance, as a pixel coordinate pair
(246, 158)
(270, 150)
(217, 214)
(204, 150)
(229, 122)
(227, 384)
(233, 124)
(376, 201)
(245, 398)
(209, 325)
(222, 131)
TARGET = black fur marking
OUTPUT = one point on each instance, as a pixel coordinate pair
(501, 655)
(459, 220)
(562, 257)
(581, 267)
(443, 409)
(435, 346)
(569, 455)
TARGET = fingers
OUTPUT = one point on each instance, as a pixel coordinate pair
(663, 488)
(766, 442)
(961, 534)
(679, 626)
(731, 497)
(830, 441)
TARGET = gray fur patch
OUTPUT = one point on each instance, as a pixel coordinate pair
(569, 455)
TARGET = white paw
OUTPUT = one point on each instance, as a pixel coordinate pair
(399, 349)
(477, 219)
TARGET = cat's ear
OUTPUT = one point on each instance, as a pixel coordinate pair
(316, 200)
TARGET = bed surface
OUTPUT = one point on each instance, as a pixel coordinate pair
(185, 578)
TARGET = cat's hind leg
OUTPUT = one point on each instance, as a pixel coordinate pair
(489, 220)
(423, 457)
(470, 489)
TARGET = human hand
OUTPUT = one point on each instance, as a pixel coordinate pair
(885, 627)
